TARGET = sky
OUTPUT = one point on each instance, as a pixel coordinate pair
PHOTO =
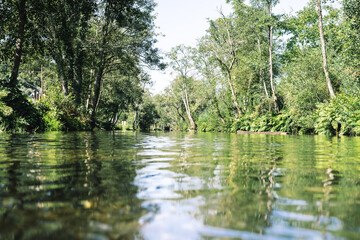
(185, 21)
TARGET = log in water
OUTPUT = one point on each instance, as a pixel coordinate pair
(266, 133)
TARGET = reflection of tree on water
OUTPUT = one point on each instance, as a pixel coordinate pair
(309, 191)
(64, 185)
(252, 179)
(14, 179)
(278, 189)
(237, 179)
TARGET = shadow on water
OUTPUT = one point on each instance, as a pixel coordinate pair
(114, 185)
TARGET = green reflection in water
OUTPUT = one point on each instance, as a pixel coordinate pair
(63, 186)
(114, 185)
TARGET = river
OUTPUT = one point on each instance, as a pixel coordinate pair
(131, 185)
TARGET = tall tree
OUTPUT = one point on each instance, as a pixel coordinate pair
(65, 26)
(211, 77)
(181, 62)
(270, 3)
(13, 34)
(122, 31)
(323, 50)
(223, 42)
(21, 6)
(252, 22)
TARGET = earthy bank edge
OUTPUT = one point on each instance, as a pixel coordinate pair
(266, 133)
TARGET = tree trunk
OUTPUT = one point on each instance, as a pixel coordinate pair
(79, 79)
(271, 60)
(89, 90)
(134, 123)
(79, 63)
(116, 118)
(97, 89)
(57, 54)
(188, 112)
(215, 102)
(238, 112)
(61, 72)
(262, 75)
(97, 92)
(323, 49)
(99, 76)
(18, 45)
(178, 112)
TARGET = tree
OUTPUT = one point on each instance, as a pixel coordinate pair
(65, 27)
(22, 18)
(122, 31)
(181, 63)
(268, 5)
(23, 115)
(211, 76)
(223, 42)
(323, 50)
(122, 91)
(147, 116)
(351, 35)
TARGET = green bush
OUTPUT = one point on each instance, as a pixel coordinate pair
(254, 123)
(203, 127)
(340, 115)
(118, 127)
(147, 116)
(60, 112)
(52, 123)
(207, 122)
(17, 113)
(282, 122)
(5, 110)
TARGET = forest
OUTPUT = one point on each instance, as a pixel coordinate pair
(83, 65)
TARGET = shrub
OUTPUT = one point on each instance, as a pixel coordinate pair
(17, 113)
(60, 112)
(207, 122)
(340, 115)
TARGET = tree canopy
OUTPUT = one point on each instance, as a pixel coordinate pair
(252, 70)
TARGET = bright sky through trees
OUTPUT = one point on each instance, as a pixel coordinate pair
(185, 21)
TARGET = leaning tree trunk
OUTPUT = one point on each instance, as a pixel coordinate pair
(188, 112)
(18, 46)
(218, 112)
(262, 75)
(271, 60)
(236, 104)
(323, 49)
(97, 93)
(178, 112)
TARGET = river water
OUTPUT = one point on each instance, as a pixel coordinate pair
(130, 185)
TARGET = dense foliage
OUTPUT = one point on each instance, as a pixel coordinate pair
(257, 71)
(253, 70)
(85, 60)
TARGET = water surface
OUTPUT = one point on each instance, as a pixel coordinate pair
(116, 185)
